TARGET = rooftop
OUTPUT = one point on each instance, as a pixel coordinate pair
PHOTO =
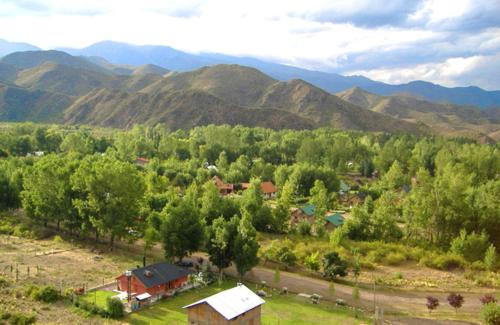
(159, 273)
(232, 302)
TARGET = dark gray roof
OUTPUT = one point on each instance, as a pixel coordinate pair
(160, 273)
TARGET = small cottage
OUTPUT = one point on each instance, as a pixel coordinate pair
(304, 213)
(333, 221)
(268, 189)
(157, 280)
(238, 305)
(224, 188)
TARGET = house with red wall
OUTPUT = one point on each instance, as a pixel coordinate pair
(158, 280)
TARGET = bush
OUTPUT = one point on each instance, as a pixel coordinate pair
(478, 266)
(312, 261)
(286, 256)
(115, 308)
(443, 261)
(490, 314)
(58, 239)
(394, 259)
(45, 294)
(18, 319)
(471, 246)
(488, 299)
(304, 228)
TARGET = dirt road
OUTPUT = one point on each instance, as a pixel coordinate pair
(392, 301)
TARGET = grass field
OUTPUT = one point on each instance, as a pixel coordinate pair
(98, 297)
(278, 309)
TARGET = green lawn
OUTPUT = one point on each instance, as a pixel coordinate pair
(282, 310)
(99, 297)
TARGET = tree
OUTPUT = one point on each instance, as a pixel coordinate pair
(490, 258)
(47, 194)
(277, 277)
(245, 246)
(432, 303)
(455, 300)
(334, 266)
(319, 198)
(220, 242)
(182, 231)
(211, 202)
(110, 194)
(394, 178)
(355, 297)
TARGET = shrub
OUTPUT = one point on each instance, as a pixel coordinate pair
(471, 246)
(58, 239)
(334, 266)
(4, 282)
(45, 294)
(394, 259)
(398, 276)
(488, 299)
(478, 266)
(490, 314)
(490, 258)
(312, 261)
(286, 256)
(115, 308)
(443, 261)
(19, 319)
(304, 228)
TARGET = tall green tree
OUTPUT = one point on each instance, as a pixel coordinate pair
(245, 246)
(220, 242)
(182, 230)
(47, 195)
(111, 194)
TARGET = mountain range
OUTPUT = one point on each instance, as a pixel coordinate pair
(53, 86)
(175, 60)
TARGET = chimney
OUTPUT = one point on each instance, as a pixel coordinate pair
(144, 261)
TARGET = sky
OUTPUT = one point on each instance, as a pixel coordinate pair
(450, 42)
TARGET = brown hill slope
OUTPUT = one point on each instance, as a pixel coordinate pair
(63, 79)
(19, 104)
(177, 109)
(251, 88)
(447, 119)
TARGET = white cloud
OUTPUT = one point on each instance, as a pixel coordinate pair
(477, 70)
(318, 34)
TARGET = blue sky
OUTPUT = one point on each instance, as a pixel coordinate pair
(451, 42)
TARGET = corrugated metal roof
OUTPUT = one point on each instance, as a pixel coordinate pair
(143, 296)
(232, 302)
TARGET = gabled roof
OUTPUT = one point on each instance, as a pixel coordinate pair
(335, 219)
(232, 302)
(266, 187)
(308, 209)
(159, 273)
(220, 184)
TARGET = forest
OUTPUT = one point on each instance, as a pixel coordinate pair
(432, 193)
